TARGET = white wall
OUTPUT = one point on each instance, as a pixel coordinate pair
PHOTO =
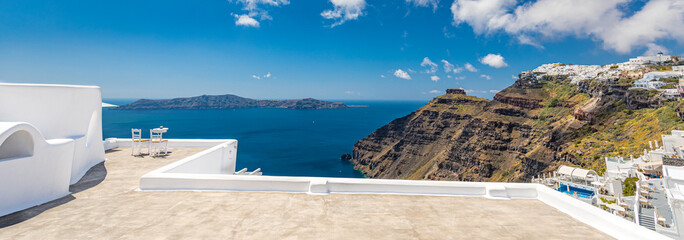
(219, 159)
(673, 181)
(29, 178)
(672, 142)
(59, 112)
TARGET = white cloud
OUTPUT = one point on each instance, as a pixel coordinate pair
(470, 67)
(494, 91)
(494, 60)
(526, 40)
(514, 77)
(434, 78)
(460, 78)
(469, 91)
(255, 8)
(352, 93)
(448, 67)
(267, 75)
(254, 5)
(657, 20)
(425, 3)
(447, 33)
(382, 76)
(448, 76)
(435, 91)
(245, 20)
(427, 63)
(608, 21)
(344, 10)
(653, 49)
(486, 77)
(481, 15)
(401, 74)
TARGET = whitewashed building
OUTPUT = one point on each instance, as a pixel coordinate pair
(619, 168)
(659, 58)
(648, 84)
(650, 80)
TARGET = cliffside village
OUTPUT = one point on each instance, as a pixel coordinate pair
(648, 189)
(648, 72)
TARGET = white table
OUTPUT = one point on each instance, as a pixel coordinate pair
(160, 130)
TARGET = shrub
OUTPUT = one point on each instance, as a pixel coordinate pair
(629, 186)
(554, 102)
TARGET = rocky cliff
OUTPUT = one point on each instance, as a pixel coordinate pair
(529, 128)
(228, 101)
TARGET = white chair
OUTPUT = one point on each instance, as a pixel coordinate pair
(137, 142)
(157, 142)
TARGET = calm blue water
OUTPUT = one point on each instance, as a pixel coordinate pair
(279, 141)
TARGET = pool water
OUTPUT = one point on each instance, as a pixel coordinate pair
(583, 193)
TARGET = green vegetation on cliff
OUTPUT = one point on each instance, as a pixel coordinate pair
(622, 132)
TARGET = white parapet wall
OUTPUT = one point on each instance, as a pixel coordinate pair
(32, 170)
(50, 135)
(189, 174)
(59, 112)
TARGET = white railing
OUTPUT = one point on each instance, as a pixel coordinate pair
(111, 143)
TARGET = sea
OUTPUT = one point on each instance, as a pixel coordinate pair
(282, 142)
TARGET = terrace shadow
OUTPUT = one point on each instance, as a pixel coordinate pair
(93, 177)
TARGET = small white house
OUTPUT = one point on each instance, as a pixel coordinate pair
(670, 93)
(672, 144)
(619, 168)
(648, 84)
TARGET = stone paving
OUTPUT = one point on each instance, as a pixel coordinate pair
(107, 205)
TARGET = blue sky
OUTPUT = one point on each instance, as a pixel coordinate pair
(339, 49)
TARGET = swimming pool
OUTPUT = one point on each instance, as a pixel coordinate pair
(583, 193)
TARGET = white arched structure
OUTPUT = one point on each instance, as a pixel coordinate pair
(49, 116)
(32, 170)
(578, 173)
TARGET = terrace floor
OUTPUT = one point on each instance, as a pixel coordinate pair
(105, 204)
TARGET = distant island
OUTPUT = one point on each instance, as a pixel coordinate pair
(228, 101)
